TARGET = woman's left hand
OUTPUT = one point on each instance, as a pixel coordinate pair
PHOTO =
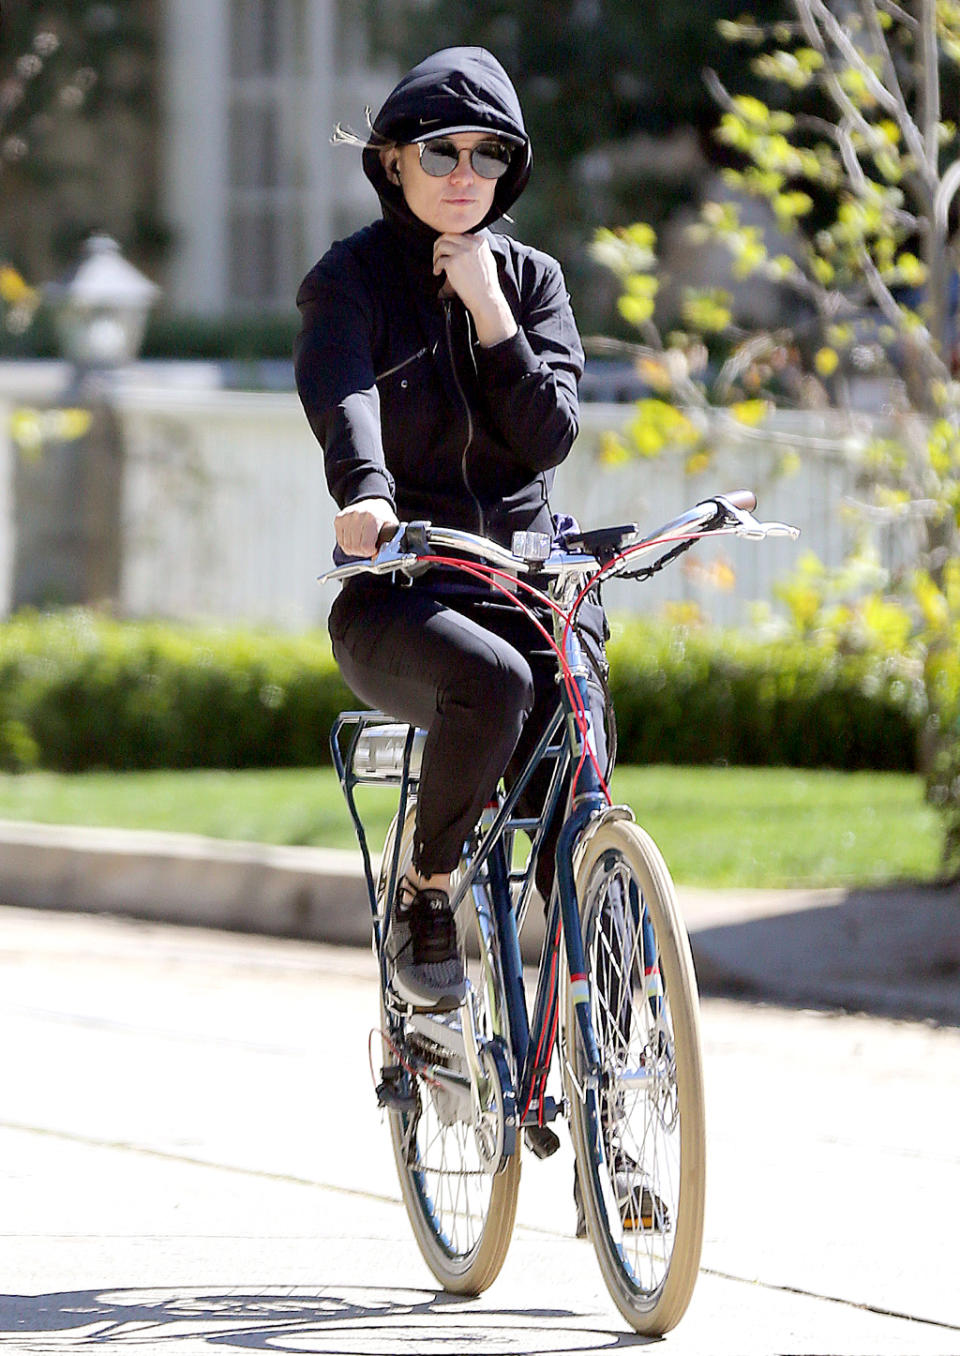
(471, 271)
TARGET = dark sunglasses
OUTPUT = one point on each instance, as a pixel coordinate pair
(440, 157)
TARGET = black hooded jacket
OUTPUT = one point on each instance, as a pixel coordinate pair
(406, 404)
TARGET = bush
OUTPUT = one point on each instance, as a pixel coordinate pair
(231, 336)
(943, 772)
(171, 335)
(79, 690)
(704, 696)
(943, 792)
(95, 693)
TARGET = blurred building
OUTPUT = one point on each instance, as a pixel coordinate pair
(251, 187)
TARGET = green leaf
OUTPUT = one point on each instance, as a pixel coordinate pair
(658, 425)
(641, 285)
(707, 310)
(635, 310)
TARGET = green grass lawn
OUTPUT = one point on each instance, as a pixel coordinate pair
(716, 826)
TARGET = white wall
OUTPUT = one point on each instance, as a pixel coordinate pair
(226, 512)
(723, 577)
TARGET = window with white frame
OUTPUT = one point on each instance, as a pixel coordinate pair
(265, 180)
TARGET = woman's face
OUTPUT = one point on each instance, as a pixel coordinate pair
(451, 205)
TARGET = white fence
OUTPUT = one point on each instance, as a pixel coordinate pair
(226, 516)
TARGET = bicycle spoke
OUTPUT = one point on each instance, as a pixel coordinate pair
(640, 1163)
(462, 1213)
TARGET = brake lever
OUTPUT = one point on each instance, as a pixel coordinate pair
(392, 555)
(751, 528)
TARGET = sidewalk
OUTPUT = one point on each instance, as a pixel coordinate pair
(892, 951)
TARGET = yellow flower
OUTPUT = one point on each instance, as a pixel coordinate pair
(14, 290)
(613, 450)
(826, 361)
(30, 428)
(26, 430)
(751, 412)
(697, 463)
(70, 424)
(683, 614)
(655, 374)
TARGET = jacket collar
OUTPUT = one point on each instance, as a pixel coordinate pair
(415, 241)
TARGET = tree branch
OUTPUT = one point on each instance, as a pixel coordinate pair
(851, 162)
(897, 13)
(719, 91)
(869, 10)
(930, 82)
(805, 441)
(891, 311)
(946, 192)
(812, 14)
(837, 93)
(684, 386)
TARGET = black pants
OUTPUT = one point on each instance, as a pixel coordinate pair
(475, 673)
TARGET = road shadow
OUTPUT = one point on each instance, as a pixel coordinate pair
(892, 952)
(324, 1320)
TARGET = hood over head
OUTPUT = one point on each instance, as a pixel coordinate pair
(459, 89)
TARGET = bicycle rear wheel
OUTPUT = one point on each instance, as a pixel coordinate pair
(460, 1198)
(639, 1136)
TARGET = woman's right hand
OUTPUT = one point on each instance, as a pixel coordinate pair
(358, 526)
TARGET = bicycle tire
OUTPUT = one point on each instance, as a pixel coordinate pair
(639, 1138)
(462, 1215)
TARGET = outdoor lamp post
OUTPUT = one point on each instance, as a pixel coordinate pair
(100, 308)
(69, 496)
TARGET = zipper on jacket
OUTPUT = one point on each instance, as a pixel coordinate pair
(397, 366)
(466, 405)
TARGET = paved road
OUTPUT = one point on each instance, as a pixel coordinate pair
(175, 1174)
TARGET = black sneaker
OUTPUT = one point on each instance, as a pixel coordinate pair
(640, 1207)
(423, 959)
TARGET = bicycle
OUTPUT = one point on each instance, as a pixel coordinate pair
(460, 1087)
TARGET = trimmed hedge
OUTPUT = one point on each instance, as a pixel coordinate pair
(79, 690)
(246, 337)
(704, 696)
(82, 691)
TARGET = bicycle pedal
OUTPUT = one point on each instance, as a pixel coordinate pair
(391, 1095)
(541, 1140)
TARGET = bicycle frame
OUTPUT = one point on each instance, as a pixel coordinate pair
(531, 1041)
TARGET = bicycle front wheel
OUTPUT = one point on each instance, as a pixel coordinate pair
(460, 1205)
(638, 1131)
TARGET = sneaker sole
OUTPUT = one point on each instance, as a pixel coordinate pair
(420, 1003)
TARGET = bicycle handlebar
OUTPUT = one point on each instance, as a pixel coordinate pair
(726, 514)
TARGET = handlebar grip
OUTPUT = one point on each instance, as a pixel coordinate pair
(742, 499)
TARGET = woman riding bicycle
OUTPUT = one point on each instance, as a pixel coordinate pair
(438, 365)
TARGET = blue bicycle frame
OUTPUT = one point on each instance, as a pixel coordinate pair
(487, 862)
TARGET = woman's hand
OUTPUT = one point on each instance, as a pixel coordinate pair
(471, 271)
(358, 526)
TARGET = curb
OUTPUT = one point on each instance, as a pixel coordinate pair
(312, 893)
(894, 951)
